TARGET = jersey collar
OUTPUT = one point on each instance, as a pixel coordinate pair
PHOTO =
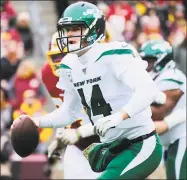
(89, 56)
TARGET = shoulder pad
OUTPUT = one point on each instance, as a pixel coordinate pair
(173, 75)
(68, 61)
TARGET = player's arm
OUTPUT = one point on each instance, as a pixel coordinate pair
(64, 115)
(145, 90)
(67, 113)
(161, 111)
(171, 120)
(132, 73)
(174, 118)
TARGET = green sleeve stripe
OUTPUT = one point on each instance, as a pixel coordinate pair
(115, 52)
(173, 80)
(64, 66)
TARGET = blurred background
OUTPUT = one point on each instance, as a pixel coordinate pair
(26, 31)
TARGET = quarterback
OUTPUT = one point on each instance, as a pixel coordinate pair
(172, 82)
(110, 81)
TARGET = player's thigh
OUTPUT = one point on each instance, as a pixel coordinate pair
(176, 160)
(140, 160)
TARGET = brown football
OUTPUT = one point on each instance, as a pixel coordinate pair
(24, 136)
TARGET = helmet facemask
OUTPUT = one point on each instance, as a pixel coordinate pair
(73, 42)
(159, 63)
(88, 35)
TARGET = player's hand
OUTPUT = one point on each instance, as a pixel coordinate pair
(102, 125)
(55, 149)
(24, 116)
(69, 136)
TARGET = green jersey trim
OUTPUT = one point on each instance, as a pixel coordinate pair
(173, 80)
(115, 52)
(63, 66)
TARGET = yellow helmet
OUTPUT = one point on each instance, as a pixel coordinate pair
(108, 34)
(54, 55)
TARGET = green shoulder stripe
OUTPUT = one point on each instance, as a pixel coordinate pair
(115, 52)
(173, 80)
(64, 66)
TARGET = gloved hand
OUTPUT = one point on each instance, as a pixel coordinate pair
(102, 125)
(55, 149)
(72, 136)
(69, 136)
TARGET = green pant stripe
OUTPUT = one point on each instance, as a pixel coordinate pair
(176, 160)
(170, 160)
(183, 170)
(136, 170)
(116, 166)
(146, 167)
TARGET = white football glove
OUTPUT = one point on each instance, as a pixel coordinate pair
(55, 149)
(69, 136)
(72, 136)
(102, 125)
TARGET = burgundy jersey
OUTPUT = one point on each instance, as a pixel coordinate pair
(50, 81)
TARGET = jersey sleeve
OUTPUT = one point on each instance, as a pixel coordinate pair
(170, 80)
(64, 82)
(132, 72)
(66, 114)
(70, 110)
(183, 87)
(120, 64)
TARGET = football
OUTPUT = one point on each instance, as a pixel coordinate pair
(24, 136)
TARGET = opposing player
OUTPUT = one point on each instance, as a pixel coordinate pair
(172, 82)
(73, 153)
(111, 82)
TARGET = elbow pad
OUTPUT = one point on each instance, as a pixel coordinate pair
(160, 98)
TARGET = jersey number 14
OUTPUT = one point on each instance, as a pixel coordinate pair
(98, 103)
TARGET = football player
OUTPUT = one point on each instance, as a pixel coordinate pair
(73, 153)
(172, 82)
(111, 83)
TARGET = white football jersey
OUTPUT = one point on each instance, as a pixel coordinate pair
(173, 79)
(95, 76)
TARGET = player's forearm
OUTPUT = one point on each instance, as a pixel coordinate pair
(58, 118)
(176, 117)
(160, 112)
(145, 92)
(66, 114)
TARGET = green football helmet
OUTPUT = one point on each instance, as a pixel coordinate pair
(88, 18)
(158, 50)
